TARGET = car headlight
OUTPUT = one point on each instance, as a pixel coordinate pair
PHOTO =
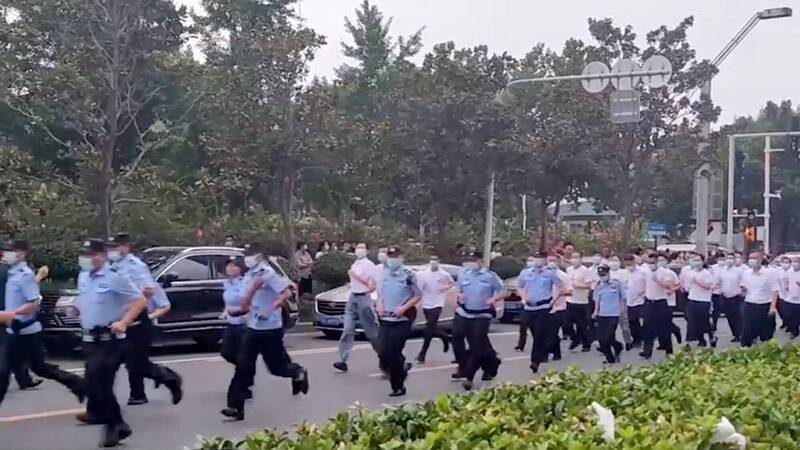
(65, 306)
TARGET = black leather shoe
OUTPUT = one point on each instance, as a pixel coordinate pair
(421, 359)
(519, 349)
(124, 431)
(713, 342)
(87, 419)
(408, 366)
(467, 385)
(645, 355)
(300, 385)
(628, 347)
(398, 392)
(341, 366)
(456, 376)
(134, 401)
(557, 357)
(534, 367)
(110, 436)
(34, 383)
(233, 414)
(488, 376)
(175, 387)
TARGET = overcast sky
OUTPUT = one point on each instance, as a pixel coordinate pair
(765, 66)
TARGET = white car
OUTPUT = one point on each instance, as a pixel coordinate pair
(329, 306)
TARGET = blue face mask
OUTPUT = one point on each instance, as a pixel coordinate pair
(393, 263)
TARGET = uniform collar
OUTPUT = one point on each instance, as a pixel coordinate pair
(100, 272)
(19, 265)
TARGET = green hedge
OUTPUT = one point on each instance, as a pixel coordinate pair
(506, 267)
(332, 269)
(672, 405)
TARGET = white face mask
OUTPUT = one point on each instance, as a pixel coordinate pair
(361, 253)
(114, 256)
(85, 263)
(614, 265)
(530, 263)
(471, 265)
(382, 257)
(10, 257)
(251, 261)
(434, 264)
(597, 260)
(576, 262)
(786, 266)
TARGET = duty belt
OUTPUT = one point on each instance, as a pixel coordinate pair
(540, 302)
(19, 325)
(101, 334)
(655, 300)
(491, 311)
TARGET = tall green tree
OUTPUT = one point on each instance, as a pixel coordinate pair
(87, 74)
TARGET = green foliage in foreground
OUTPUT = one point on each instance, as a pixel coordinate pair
(674, 405)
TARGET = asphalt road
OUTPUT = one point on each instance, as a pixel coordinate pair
(43, 419)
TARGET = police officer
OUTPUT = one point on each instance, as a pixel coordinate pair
(658, 283)
(536, 287)
(109, 303)
(523, 318)
(396, 308)
(23, 341)
(137, 357)
(359, 308)
(609, 296)
(232, 295)
(266, 293)
(21, 373)
(760, 302)
(479, 290)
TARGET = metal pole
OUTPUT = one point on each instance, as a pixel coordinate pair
(767, 191)
(488, 232)
(703, 184)
(731, 186)
(524, 213)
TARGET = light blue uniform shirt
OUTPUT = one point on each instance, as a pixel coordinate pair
(104, 294)
(396, 287)
(477, 286)
(538, 284)
(232, 296)
(609, 295)
(263, 316)
(135, 270)
(22, 288)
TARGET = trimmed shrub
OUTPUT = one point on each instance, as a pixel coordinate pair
(673, 405)
(332, 269)
(506, 267)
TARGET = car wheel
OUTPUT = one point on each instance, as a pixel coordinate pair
(332, 334)
(209, 341)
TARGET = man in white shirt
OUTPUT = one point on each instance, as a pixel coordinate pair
(434, 284)
(699, 284)
(578, 312)
(716, 264)
(635, 290)
(792, 305)
(658, 284)
(783, 271)
(360, 308)
(760, 302)
(558, 312)
(730, 280)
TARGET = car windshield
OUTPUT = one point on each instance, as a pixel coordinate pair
(156, 258)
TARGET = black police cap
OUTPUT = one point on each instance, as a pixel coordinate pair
(475, 254)
(255, 248)
(94, 246)
(603, 270)
(394, 252)
(120, 239)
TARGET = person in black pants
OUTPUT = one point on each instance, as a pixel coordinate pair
(760, 302)
(20, 371)
(109, 304)
(233, 291)
(264, 297)
(700, 283)
(657, 315)
(578, 303)
(536, 287)
(433, 283)
(398, 296)
(792, 305)
(609, 296)
(140, 334)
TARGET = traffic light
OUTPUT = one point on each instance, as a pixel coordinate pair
(750, 234)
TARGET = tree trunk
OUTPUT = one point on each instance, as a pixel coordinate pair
(285, 207)
(442, 216)
(105, 198)
(543, 237)
(627, 217)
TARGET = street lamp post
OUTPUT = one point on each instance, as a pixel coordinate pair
(704, 174)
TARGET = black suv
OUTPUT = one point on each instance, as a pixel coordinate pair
(192, 278)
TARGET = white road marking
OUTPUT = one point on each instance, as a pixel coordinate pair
(42, 415)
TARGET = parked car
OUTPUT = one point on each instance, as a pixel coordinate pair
(329, 307)
(192, 277)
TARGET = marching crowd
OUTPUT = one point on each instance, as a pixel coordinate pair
(562, 298)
